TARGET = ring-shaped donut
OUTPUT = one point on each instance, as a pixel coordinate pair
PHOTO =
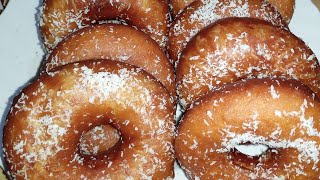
(285, 7)
(114, 42)
(281, 114)
(201, 14)
(237, 48)
(49, 116)
(62, 17)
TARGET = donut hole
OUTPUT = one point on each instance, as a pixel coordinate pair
(252, 149)
(99, 140)
(114, 21)
(248, 156)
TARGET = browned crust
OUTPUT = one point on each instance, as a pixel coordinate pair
(114, 42)
(200, 15)
(61, 17)
(286, 7)
(239, 48)
(257, 108)
(178, 5)
(53, 90)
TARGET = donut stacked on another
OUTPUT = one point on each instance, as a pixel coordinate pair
(281, 114)
(118, 43)
(285, 7)
(239, 48)
(94, 112)
(201, 14)
(114, 42)
(62, 17)
(245, 81)
(49, 117)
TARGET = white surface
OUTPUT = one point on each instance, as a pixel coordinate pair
(252, 149)
(21, 53)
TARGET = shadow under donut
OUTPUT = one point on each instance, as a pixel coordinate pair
(3, 4)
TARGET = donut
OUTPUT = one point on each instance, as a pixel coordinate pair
(48, 118)
(61, 17)
(114, 42)
(285, 7)
(203, 13)
(177, 6)
(280, 114)
(237, 48)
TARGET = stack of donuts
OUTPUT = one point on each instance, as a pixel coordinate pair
(245, 81)
(104, 103)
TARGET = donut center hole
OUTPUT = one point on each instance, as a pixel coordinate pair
(114, 21)
(248, 156)
(252, 149)
(99, 140)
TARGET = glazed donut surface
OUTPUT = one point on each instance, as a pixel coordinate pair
(237, 48)
(49, 117)
(281, 114)
(114, 42)
(178, 5)
(202, 13)
(285, 7)
(62, 17)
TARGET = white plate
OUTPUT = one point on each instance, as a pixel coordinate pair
(21, 53)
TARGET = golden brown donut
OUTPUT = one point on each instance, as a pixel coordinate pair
(202, 13)
(114, 42)
(61, 17)
(237, 48)
(285, 7)
(177, 6)
(49, 117)
(281, 114)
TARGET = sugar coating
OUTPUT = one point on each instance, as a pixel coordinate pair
(98, 140)
(212, 128)
(60, 18)
(205, 12)
(235, 49)
(53, 114)
(285, 7)
(114, 42)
